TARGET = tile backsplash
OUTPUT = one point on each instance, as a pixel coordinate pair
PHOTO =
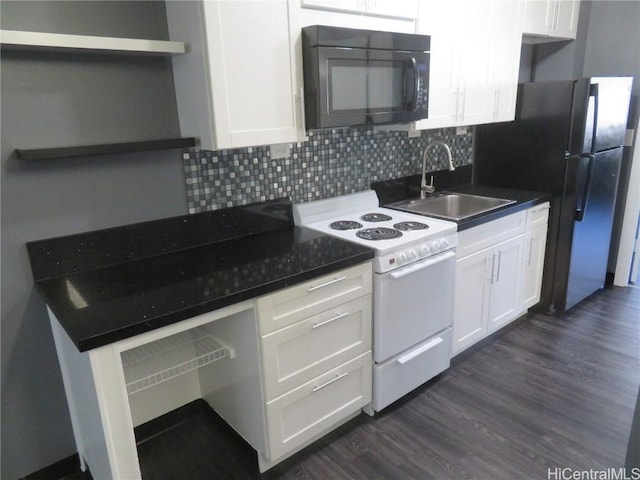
(332, 162)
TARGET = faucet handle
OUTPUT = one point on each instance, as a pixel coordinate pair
(428, 188)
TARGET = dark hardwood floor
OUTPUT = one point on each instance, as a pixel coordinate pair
(547, 392)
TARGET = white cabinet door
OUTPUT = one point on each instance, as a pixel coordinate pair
(505, 300)
(433, 20)
(538, 17)
(474, 32)
(473, 277)
(505, 61)
(233, 89)
(533, 264)
(551, 18)
(475, 57)
(567, 18)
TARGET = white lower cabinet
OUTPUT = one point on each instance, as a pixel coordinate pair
(534, 250)
(318, 405)
(498, 274)
(316, 358)
(306, 349)
(505, 287)
(282, 370)
(486, 291)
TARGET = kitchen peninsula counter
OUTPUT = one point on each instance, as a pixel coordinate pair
(109, 285)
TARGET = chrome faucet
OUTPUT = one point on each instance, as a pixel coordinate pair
(424, 188)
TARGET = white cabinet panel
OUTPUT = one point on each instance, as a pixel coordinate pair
(475, 56)
(490, 233)
(505, 298)
(535, 242)
(233, 89)
(551, 19)
(505, 61)
(471, 300)
(534, 251)
(433, 20)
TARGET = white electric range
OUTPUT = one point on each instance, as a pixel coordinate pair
(414, 268)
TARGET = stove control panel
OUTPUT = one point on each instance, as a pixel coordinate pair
(415, 252)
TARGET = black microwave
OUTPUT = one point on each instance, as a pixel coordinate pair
(363, 77)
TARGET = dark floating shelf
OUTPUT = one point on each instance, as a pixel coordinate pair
(105, 149)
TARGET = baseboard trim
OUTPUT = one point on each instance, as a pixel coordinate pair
(65, 467)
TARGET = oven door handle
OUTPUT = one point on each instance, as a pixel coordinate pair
(422, 265)
(420, 350)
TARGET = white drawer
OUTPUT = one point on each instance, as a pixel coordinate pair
(298, 353)
(296, 303)
(537, 216)
(403, 373)
(488, 234)
(312, 408)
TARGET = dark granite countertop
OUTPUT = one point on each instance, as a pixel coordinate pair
(390, 191)
(108, 285)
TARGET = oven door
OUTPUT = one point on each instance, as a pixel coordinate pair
(412, 303)
(360, 86)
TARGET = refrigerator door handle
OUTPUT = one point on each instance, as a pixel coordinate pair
(583, 188)
(594, 92)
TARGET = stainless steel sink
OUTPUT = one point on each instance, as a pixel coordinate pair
(451, 206)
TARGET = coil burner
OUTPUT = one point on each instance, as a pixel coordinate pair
(378, 233)
(407, 226)
(345, 225)
(375, 217)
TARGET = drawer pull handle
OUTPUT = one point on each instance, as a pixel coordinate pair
(420, 350)
(331, 282)
(338, 377)
(340, 315)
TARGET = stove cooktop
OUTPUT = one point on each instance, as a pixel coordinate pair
(383, 229)
(398, 238)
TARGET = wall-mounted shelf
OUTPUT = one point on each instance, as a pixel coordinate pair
(17, 39)
(164, 359)
(104, 149)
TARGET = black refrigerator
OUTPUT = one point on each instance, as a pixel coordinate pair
(567, 140)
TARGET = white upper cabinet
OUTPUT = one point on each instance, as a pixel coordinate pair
(235, 87)
(505, 58)
(386, 8)
(547, 20)
(475, 56)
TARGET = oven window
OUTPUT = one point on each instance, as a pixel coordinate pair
(365, 86)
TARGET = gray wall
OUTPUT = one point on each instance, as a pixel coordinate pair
(64, 100)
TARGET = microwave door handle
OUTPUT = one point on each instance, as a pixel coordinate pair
(410, 105)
